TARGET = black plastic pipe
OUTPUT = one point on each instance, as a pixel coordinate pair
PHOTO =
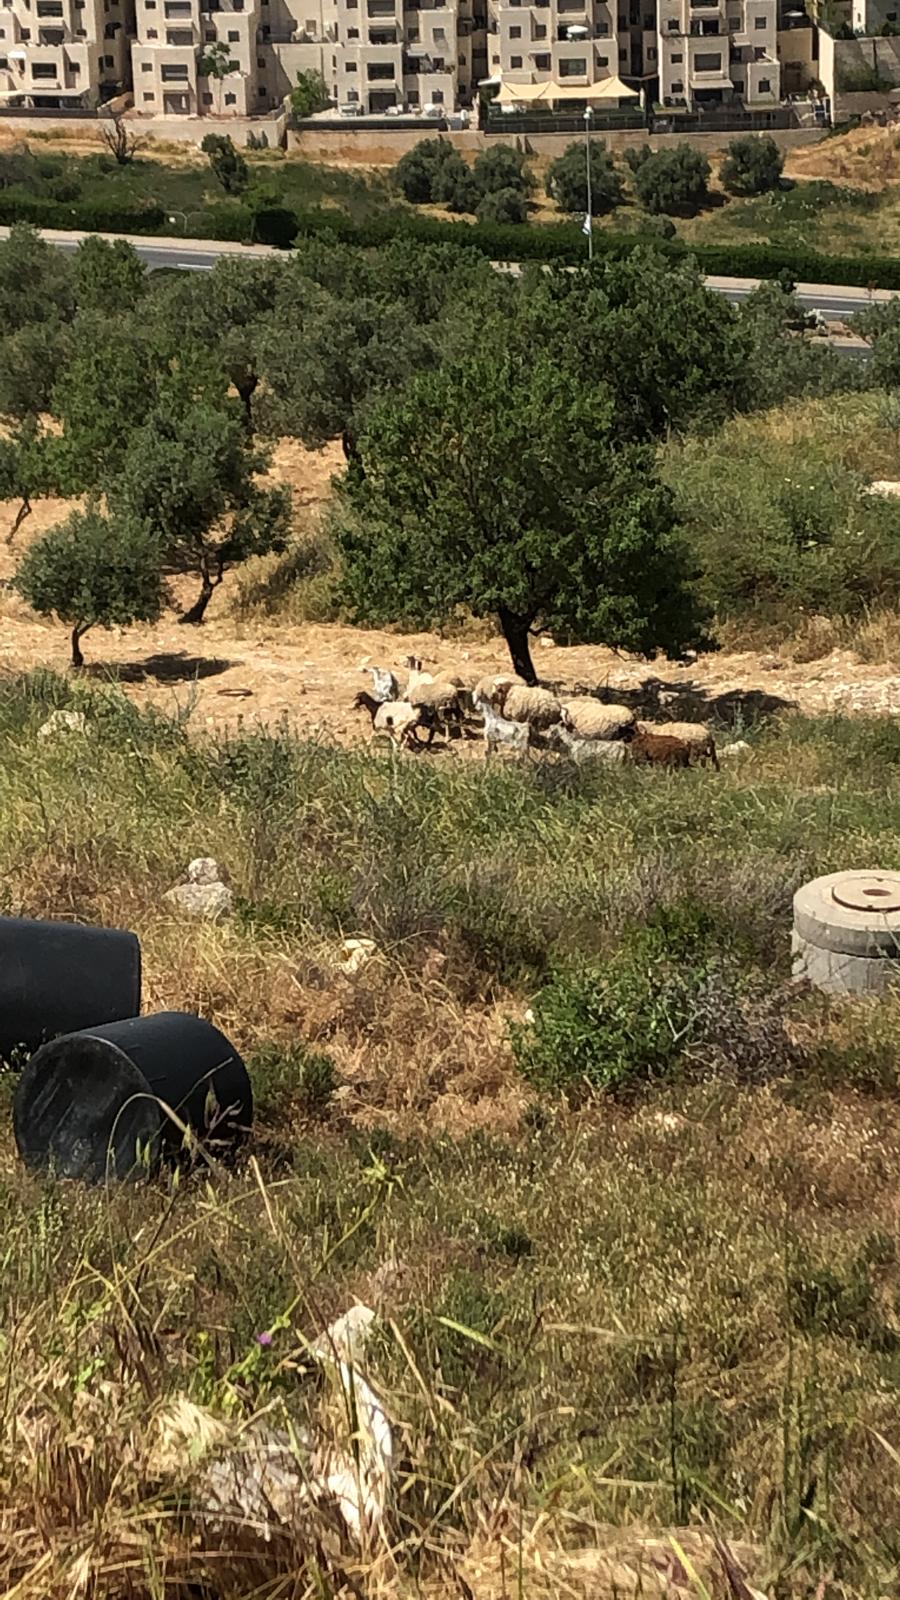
(112, 1101)
(59, 976)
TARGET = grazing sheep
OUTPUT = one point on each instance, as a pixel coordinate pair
(583, 750)
(493, 687)
(446, 702)
(695, 735)
(538, 707)
(500, 731)
(416, 675)
(384, 684)
(590, 719)
(396, 717)
(658, 750)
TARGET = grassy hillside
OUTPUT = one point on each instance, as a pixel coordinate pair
(673, 1305)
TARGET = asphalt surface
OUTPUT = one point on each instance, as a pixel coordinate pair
(835, 301)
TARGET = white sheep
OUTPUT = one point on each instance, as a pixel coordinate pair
(590, 719)
(384, 684)
(494, 686)
(398, 718)
(524, 703)
(696, 735)
(445, 701)
(500, 731)
(416, 676)
(584, 750)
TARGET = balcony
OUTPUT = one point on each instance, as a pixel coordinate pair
(705, 30)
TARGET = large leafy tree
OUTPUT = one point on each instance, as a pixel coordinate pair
(93, 571)
(499, 484)
(567, 180)
(189, 474)
(109, 276)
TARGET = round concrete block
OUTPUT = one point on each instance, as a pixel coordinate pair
(847, 932)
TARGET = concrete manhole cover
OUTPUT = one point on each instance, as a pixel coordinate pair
(877, 893)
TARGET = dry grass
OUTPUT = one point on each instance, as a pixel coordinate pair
(607, 1329)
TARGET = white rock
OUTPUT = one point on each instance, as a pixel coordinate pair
(355, 953)
(204, 869)
(740, 746)
(62, 722)
(211, 901)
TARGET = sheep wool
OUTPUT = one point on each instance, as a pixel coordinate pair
(494, 687)
(538, 707)
(695, 735)
(437, 696)
(396, 717)
(590, 719)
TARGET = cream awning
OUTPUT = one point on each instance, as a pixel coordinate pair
(545, 93)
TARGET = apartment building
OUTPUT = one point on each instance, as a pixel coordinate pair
(58, 54)
(573, 47)
(372, 53)
(715, 51)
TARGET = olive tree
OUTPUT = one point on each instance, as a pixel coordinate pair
(93, 571)
(499, 484)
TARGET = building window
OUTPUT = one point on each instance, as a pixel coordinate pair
(207, 99)
(149, 96)
(765, 86)
(437, 96)
(651, 53)
(678, 87)
(146, 66)
(43, 69)
(759, 22)
(437, 64)
(174, 73)
(495, 61)
(623, 54)
(759, 53)
(733, 24)
(542, 63)
(460, 61)
(572, 67)
(24, 34)
(623, 22)
(676, 58)
(352, 33)
(515, 33)
(210, 35)
(412, 96)
(261, 91)
(231, 99)
(233, 36)
(738, 84)
(540, 31)
(515, 62)
(672, 24)
(602, 30)
(380, 72)
(649, 20)
(707, 63)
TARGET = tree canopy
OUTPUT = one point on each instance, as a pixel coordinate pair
(93, 571)
(567, 180)
(499, 485)
(670, 181)
(752, 165)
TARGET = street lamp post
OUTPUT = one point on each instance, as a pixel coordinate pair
(589, 219)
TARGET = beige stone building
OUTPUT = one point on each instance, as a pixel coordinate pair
(709, 51)
(562, 50)
(62, 54)
(373, 54)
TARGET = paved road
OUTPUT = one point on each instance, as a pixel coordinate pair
(836, 301)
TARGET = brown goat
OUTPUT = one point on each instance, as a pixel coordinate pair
(657, 750)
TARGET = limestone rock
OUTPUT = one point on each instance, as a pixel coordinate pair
(204, 869)
(212, 901)
(62, 722)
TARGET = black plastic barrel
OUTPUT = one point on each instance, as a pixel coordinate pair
(58, 976)
(110, 1102)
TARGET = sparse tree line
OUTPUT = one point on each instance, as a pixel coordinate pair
(497, 187)
(501, 435)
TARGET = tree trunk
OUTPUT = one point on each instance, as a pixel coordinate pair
(246, 388)
(351, 450)
(198, 609)
(23, 512)
(515, 632)
(208, 582)
(77, 657)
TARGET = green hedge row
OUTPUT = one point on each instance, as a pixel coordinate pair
(561, 242)
(82, 216)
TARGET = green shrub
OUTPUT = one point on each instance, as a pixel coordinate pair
(671, 181)
(288, 1079)
(752, 165)
(503, 205)
(415, 172)
(453, 184)
(567, 180)
(501, 168)
(275, 225)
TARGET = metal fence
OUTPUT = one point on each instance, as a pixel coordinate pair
(82, 112)
(564, 122)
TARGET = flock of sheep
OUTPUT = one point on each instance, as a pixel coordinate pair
(510, 713)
